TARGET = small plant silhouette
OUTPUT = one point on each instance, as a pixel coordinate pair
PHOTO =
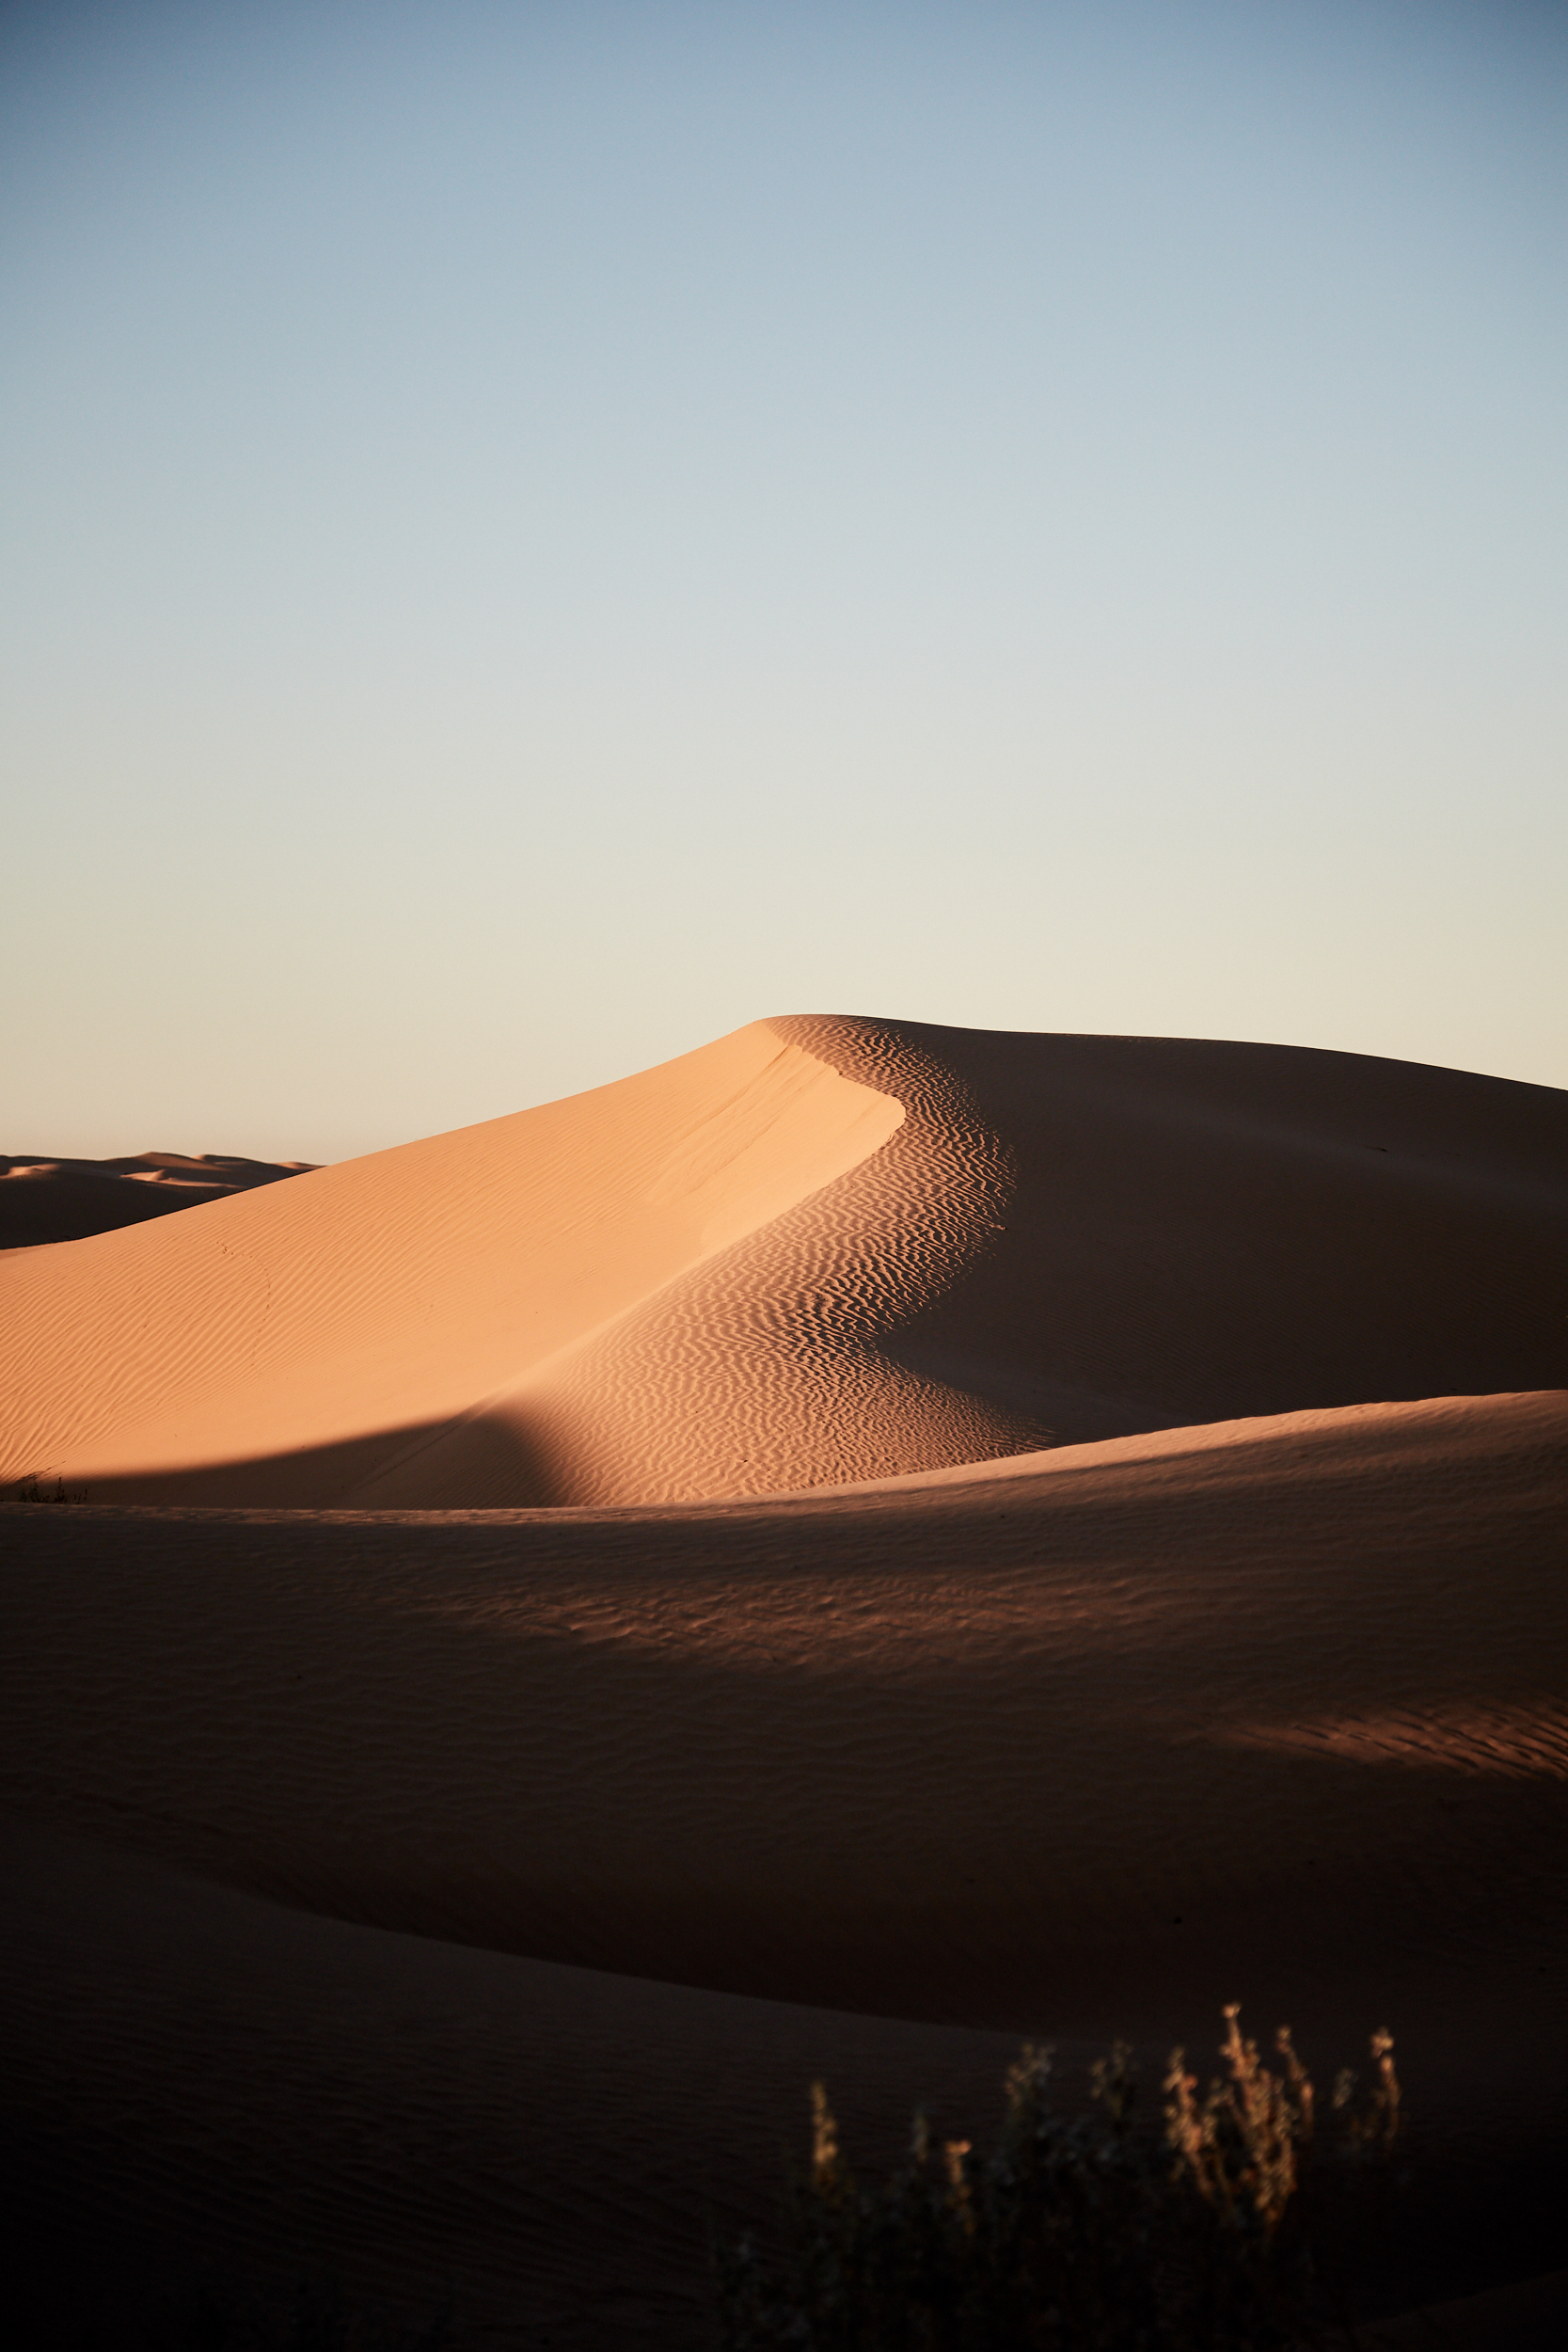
(35, 1489)
(1077, 2235)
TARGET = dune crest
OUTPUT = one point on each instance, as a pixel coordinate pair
(820, 1252)
(768, 1364)
(1044, 1535)
(287, 1345)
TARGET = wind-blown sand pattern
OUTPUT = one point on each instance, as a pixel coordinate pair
(857, 1545)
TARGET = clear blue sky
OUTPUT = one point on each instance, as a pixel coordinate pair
(534, 534)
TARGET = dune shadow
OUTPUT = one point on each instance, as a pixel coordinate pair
(517, 1739)
(474, 1462)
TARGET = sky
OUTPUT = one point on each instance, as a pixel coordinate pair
(534, 534)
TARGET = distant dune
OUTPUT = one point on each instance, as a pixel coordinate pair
(44, 1199)
(824, 1557)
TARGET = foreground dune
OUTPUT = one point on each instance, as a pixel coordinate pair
(354, 1841)
(468, 1895)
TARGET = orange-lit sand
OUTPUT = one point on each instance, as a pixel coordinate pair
(819, 1251)
(426, 1887)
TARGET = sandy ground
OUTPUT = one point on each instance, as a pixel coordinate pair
(854, 1547)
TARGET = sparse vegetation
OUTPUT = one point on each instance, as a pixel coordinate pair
(36, 1489)
(1220, 2226)
(1218, 2230)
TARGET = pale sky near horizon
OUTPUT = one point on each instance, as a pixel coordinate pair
(534, 534)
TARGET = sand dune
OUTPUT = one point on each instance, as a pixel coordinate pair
(1079, 1746)
(817, 1252)
(947, 1747)
(44, 1199)
(470, 1893)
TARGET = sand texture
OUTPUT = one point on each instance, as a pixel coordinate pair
(819, 1251)
(856, 1546)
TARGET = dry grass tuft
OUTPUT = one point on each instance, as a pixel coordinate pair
(35, 1489)
(1219, 2231)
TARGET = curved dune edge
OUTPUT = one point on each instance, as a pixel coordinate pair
(289, 1345)
(819, 1252)
(862, 1544)
(767, 1364)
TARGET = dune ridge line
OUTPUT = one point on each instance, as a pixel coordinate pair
(822, 1250)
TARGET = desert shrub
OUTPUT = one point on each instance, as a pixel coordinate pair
(1078, 2233)
(35, 1489)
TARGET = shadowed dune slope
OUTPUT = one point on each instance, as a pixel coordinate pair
(201, 2081)
(407, 1813)
(252, 2092)
(44, 1199)
(820, 1252)
(946, 1746)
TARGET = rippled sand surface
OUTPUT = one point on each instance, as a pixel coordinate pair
(863, 1543)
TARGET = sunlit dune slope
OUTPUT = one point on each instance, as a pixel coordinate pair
(290, 1345)
(1046, 1534)
(821, 1250)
